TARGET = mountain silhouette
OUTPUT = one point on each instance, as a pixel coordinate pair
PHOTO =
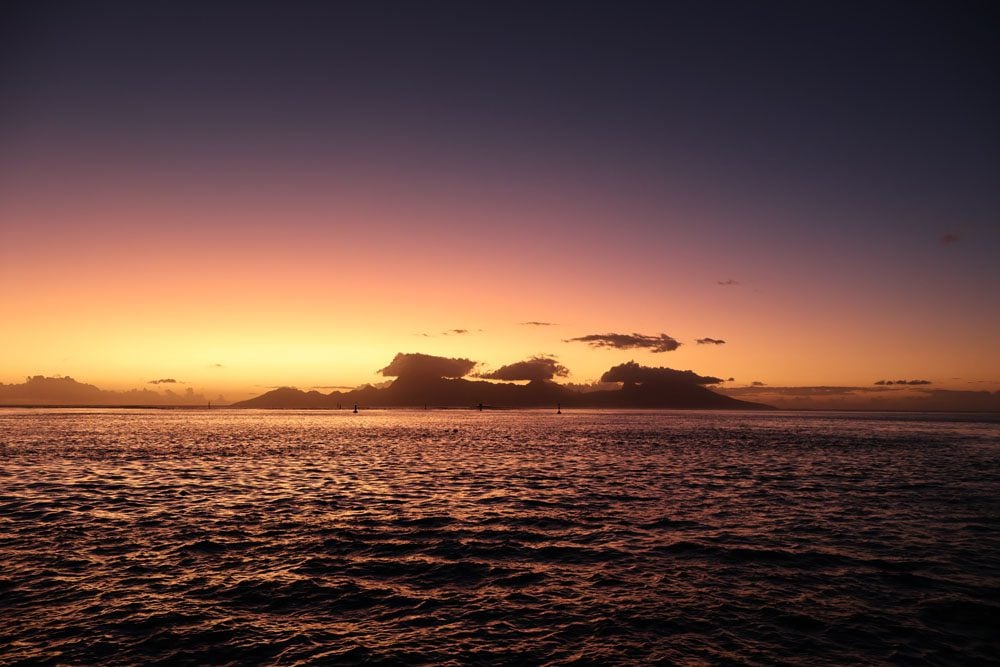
(41, 390)
(642, 387)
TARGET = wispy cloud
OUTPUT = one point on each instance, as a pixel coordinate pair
(165, 381)
(905, 382)
(710, 341)
(728, 283)
(539, 324)
(949, 239)
(449, 332)
(619, 341)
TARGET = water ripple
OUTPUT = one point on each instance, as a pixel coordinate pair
(497, 538)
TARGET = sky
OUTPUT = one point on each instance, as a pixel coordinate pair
(246, 195)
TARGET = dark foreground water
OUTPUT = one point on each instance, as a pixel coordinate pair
(138, 537)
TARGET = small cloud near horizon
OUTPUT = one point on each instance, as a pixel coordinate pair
(904, 382)
(165, 381)
(710, 341)
(449, 332)
(536, 368)
(539, 324)
(757, 383)
(216, 366)
(619, 341)
(331, 386)
(949, 239)
(728, 283)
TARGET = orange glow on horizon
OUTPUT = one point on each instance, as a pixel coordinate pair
(295, 287)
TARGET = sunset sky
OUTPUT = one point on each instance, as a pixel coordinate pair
(244, 195)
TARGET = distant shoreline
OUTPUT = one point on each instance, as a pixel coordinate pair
(457, 408)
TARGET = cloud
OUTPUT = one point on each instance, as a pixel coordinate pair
(216, 366)
(331, 386)
(757, 383)
(661, 343)
(539, 324)
(949, 239)
(536, 368)
(165, 381)
(632, 372)
(710, 341)
(426, 365)
(906, 382)
(449, 332)
(729, 283)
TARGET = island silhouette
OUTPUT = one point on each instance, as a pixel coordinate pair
(423, 380)
(38, 390)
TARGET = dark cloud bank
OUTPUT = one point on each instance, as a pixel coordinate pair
(619, 341)
(534, 369)
(426, 380)
(426, 365)
(633, 373)
(902, 382)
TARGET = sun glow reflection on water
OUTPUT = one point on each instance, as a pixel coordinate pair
(424, 536)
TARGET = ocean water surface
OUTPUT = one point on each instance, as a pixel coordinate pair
(522, 537)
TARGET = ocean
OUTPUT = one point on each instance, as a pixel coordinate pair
(498, 537)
